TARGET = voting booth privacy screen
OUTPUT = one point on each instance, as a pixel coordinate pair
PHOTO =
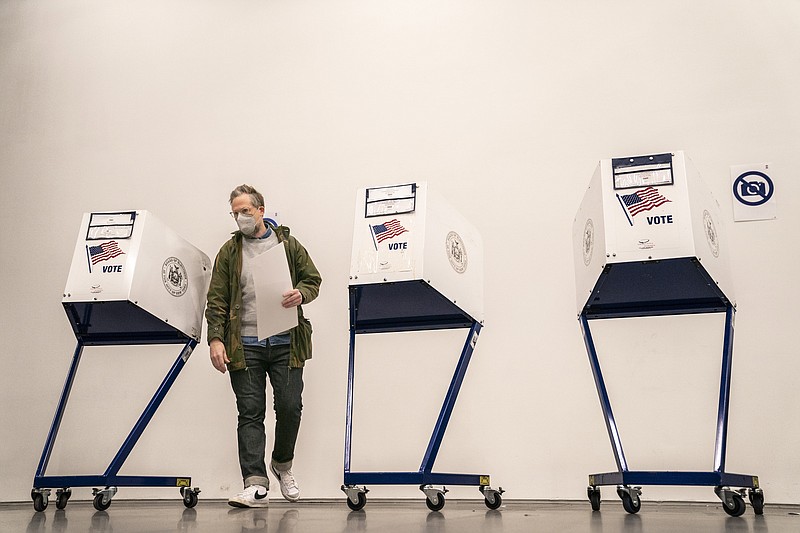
(410, 233)
(149, 279)
(653, 209)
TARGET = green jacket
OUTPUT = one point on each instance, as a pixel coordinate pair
(224, 302)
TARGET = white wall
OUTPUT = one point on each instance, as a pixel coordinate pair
(505, 105)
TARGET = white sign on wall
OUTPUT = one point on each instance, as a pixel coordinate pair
(753, 190)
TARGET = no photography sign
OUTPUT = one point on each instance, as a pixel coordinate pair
(753, 190)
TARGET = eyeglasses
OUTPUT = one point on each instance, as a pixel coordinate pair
(246, 211)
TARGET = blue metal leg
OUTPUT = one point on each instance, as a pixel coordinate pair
(450, 399)
(348, 435)
(720, 446)
(150, 410)
(62, 404)
(611, 425)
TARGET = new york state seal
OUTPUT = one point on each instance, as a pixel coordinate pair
(174, 276)
(456, 252)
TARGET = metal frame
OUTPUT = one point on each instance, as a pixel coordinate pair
(90, 323)
(110, 477)
(425, 474)
(716, 478)
(415, 315)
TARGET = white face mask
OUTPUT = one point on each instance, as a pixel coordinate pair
(247, 224)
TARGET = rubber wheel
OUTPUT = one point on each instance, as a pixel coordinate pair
(62, 497)
(594, 498)
(189, 498)
(437, 505)
(738, 506)
(39, 502)
(496, 502)
(362, 501)
(98, 502)
(757, 501)
(629, 504)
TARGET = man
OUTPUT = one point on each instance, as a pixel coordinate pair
(234, 345)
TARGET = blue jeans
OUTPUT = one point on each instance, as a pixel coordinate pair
(250, 386)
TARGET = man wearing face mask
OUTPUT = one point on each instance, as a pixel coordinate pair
(234, 345)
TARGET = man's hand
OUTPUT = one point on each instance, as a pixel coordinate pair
(218, 355)
(292, 298)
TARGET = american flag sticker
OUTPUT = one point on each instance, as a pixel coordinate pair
(641, 201)
(386, 230)
(103, 252)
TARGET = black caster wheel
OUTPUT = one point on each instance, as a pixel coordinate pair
(757, 501)
(594, 497)
(62, 497)
(493, 501)
(738, 506)
(630, 504)
(189, 497)
(39, 502)
(437, 505)
(98, 502)
(362, 501)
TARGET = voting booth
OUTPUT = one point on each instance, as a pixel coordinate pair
(132, 281)
(417, 264)
(648, 240)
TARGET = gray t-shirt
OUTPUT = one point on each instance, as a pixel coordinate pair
(252, 248)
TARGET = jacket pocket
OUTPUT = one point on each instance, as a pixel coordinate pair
(302, 339)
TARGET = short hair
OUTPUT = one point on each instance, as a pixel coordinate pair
(256, 198)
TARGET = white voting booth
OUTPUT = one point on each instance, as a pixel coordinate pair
(132, 262)
(417, 264)
(132, 281)
(651, 208)
(407, 233)
(648, 240)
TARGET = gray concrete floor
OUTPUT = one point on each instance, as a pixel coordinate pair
(387, 516)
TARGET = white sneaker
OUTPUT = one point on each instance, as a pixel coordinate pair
(289, 487)
(252, 496)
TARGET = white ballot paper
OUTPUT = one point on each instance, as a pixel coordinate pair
(271, 279)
